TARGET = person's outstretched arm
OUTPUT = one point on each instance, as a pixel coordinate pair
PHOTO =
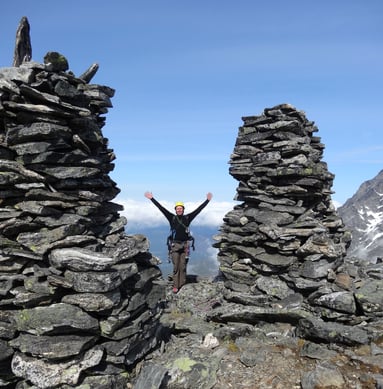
(165, 212)
(193, 214)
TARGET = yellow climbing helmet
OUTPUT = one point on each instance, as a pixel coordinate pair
(179, 204)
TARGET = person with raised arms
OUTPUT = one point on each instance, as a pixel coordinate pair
(180, 237)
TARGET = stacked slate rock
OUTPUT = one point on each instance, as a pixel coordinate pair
(284, 246)
(79, 299)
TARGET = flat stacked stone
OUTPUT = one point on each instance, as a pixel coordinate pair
(79, 298)
(285, 245)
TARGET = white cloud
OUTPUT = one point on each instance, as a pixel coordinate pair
(145, 214)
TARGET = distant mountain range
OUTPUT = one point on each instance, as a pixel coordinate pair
(363, 215)
(203, 260)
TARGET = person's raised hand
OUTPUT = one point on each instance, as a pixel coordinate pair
(148, 195)
(209, 196)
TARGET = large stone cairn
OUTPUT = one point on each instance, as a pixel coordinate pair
(285, 245)
(79, 299)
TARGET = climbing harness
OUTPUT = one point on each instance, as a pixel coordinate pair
(176, 245)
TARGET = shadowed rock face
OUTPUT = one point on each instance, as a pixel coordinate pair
(79, 298)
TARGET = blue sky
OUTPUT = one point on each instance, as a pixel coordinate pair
(185, 72)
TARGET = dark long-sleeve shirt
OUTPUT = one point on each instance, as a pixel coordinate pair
(179, 224)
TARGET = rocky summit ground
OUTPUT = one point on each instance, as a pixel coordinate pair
(203, 354)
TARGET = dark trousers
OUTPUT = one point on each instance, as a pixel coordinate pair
(179, 255)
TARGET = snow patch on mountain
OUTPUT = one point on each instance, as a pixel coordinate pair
(371, 219)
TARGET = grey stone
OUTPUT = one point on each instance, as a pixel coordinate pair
(45, 374)
(323, 376)
(39, 242)
(94, 302)
(102, 382)
(79, 259)
(316, 270)
(5, 350)
(317, 351)
(273, 286)
(251, 357)
(54, 319)
(151, 376)
(370, 296)
(253, 314)
(52, 347)
(36, 132)
(317, 329)
(339, 301)
(21, 73)
(93, 282)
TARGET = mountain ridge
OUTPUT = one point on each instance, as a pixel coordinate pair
(363, 216)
